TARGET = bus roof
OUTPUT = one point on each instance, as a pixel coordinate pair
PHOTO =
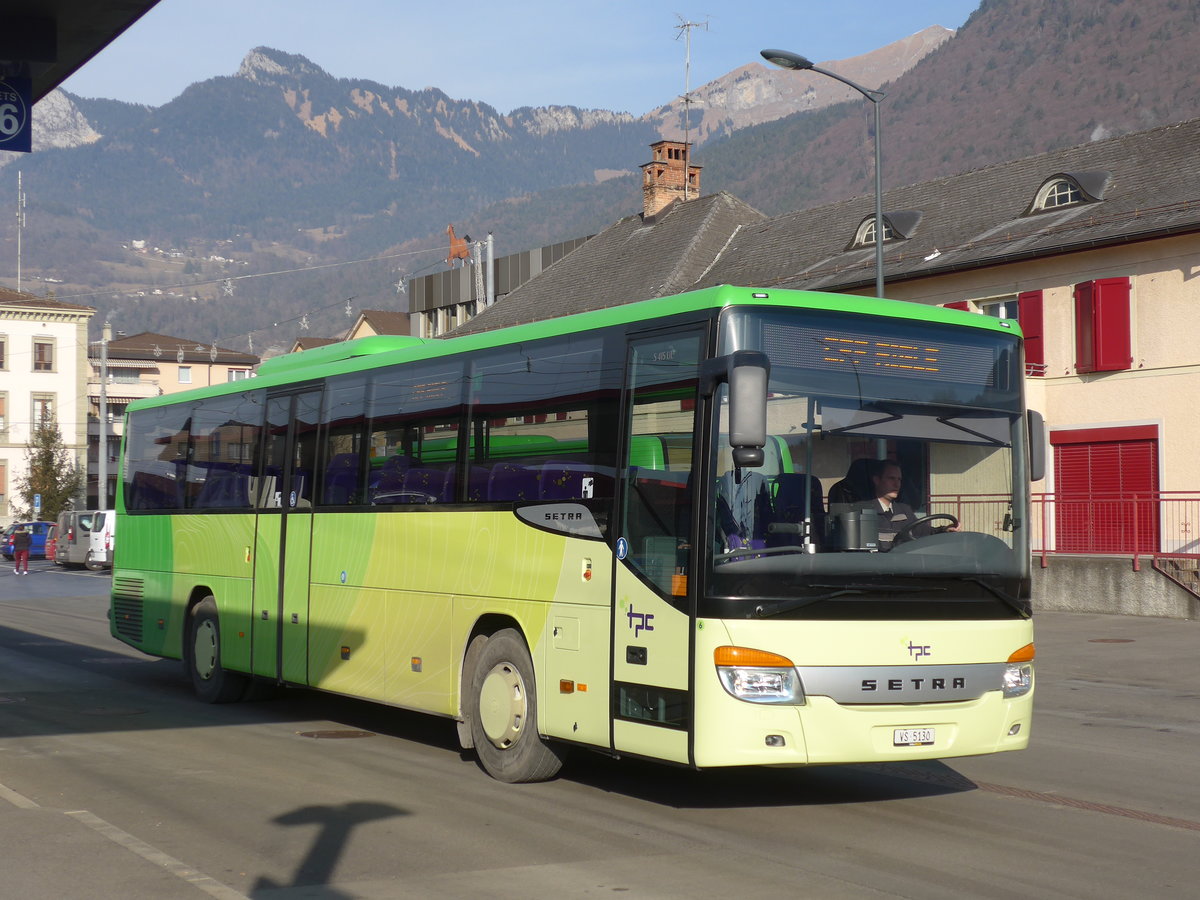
(370, 352)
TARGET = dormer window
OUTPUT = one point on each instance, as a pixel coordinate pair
(865, 236)
(1061, 192)
(1069, 189)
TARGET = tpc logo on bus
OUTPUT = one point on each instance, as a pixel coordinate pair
(639, 622)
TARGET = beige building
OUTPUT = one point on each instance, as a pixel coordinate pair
(147, 365)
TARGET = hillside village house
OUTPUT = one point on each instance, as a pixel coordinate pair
(43, 365)
(148, 365)
(1094, 250)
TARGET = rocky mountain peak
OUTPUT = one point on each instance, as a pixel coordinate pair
(266, 66)
(57, 122)
(755, 93)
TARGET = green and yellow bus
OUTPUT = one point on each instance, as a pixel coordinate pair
(642, 531)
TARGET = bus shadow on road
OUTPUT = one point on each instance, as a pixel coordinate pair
(153, 694)
(49, 686)
(766, 787)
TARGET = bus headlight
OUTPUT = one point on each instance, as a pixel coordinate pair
(1018, 679)
(758, 676)
(1018, 673)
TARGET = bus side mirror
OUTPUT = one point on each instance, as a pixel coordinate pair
(1037, 445)
(746, 372)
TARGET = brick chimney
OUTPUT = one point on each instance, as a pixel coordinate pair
(664, 179)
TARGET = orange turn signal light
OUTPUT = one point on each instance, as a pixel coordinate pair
(749, 657)
(1025, 654)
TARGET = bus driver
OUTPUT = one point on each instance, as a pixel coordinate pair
(893, 515)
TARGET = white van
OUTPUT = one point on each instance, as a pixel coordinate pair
(100, 540)
(85, 538)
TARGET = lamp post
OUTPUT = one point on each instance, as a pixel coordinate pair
(102, 457)
(787, 60)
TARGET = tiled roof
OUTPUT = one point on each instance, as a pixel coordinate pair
(1150, 183)
(19, 299)
(309, 343)
(633, 259)
(148, 345)
(386, 321)
(979, 218)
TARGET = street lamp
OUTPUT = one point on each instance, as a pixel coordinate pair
(787, 60)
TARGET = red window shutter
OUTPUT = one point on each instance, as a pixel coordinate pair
(1029, 317)
(964, 305)
(1102, 334)
(1112, 341)
(1085, 354)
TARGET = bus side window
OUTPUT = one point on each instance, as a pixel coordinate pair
(658, 502)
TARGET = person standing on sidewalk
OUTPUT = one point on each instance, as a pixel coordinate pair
(22, 540)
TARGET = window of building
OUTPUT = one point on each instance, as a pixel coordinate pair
(3, 352)
(1001, 308)
(1102, 326)
(43, 354)
(3, 412)
(41, 409)
(239, 374)
(1026, 309)
(865, 236)
(3, 489)
(185, 374)
(1058, 193)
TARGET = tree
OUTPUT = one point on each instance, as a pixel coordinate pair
(52, 473)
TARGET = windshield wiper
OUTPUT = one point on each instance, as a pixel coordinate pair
(764, 610)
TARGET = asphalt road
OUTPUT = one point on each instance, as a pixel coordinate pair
(114, 782)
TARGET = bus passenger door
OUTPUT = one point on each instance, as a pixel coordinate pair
(283, 544)
(651, 689)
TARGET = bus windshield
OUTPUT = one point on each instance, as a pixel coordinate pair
(889, 479)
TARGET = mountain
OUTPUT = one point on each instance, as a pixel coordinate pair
(59, 123)
(753, 94)
(281, 168)
(1020, 77)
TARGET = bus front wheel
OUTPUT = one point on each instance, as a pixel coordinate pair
(504, 714)
(211, 682)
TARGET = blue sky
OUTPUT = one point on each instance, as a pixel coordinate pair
(620, 55)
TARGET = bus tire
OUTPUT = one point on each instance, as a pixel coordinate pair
(504, 713)
(211, 682)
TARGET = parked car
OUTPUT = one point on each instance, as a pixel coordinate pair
(101, 540)
(37, 530)
(51, 542)
(85, 538)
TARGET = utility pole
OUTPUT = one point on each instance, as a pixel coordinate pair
(102, 456)
(685, 31)
(491, 269)
(20, 226)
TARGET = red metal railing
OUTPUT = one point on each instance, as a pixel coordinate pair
(1154, 524)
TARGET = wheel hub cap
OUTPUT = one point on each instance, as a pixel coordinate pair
(502, 705)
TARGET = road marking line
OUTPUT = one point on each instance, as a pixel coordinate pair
(19, 800)
(180, 870)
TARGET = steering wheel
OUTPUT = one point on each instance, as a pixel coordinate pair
(906, 533)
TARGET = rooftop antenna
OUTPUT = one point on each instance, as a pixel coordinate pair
(685, 31)
(20, 226)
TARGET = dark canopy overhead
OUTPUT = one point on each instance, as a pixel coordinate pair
(48, 40)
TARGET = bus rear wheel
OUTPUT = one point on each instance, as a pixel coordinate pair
(211, 682)
(504, 713)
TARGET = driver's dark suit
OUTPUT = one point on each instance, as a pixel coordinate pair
(891, 521)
